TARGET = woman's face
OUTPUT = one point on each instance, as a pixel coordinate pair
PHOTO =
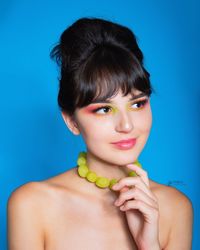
(116, 119)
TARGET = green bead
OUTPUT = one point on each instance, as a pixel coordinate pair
(82, 154)
(137, 163)
(83, 170)
(102, 182)
(91, 176)
(112, 182)
(81, 161)
(132, 174)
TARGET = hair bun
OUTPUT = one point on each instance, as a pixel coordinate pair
(98, 56)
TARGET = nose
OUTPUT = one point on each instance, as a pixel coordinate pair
(124, 123)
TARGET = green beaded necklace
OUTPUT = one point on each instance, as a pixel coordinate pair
(101, 182)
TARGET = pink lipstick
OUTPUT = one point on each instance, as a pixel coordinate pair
(125, 144)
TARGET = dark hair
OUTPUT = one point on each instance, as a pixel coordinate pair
(97, 59)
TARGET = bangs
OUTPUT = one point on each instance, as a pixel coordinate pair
(108, 70)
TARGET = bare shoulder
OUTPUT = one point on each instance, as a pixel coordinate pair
(39, 193)
(176, 210)
(30, 210)
(170, 197)
(27, 193)
(28, 200)
(25, 217)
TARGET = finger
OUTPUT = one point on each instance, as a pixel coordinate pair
(150, 213)
(137, 194)
(140, 172)
(134, 181)
(124, 189)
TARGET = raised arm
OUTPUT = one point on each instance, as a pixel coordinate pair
(24, 219)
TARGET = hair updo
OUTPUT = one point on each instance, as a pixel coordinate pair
(97, 59)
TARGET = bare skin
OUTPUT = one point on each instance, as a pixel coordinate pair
(67, 212)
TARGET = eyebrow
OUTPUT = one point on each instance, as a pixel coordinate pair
(101, 100)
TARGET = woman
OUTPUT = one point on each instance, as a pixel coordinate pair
(104, 95)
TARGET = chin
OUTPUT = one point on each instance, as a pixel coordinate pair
(124, 157)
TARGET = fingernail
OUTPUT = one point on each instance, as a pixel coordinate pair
(115, 186)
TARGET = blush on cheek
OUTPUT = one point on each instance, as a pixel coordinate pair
(148, 128)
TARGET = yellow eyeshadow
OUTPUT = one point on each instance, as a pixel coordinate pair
(130, 108)
(115, 110)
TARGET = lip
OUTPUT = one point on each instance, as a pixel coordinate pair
(125, 144)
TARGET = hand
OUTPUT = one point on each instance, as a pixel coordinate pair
(141, 208)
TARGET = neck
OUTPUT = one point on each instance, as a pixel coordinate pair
(102, 168)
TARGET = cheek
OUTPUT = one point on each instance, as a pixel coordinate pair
(148, 122)
(91, 129)
(144, 121)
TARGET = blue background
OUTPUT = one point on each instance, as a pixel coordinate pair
(34, 141)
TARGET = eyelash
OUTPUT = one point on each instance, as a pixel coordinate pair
(142, 102)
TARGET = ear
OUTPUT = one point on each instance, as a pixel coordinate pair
(71, 123)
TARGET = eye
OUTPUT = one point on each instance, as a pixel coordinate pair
(102, 110)
(139, 104)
